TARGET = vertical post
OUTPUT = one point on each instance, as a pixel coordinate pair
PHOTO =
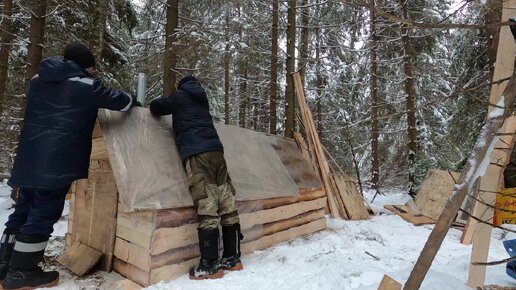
(141, 87)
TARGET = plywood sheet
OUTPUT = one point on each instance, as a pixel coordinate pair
(297, 165)
(435, 191)
(150, 175)
(404, 212)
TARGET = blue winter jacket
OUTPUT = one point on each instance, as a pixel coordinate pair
(191, 119)
(55, 141)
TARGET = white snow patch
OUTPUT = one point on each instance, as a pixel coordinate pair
(499, 109)
(347, 255)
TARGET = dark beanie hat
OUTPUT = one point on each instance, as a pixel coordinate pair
(80, 54)
(185, 80)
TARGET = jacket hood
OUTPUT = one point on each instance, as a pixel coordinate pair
(56, 69)
(194, 89)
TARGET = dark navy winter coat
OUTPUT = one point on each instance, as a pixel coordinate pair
(55, 141)
(191, 119)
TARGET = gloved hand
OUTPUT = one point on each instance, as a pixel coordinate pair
(136, 103)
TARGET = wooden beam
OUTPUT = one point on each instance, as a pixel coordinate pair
(504, 68)
(473, 168)
(490, 183)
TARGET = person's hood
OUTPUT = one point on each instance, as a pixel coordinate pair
(56, 69)
(194, 89)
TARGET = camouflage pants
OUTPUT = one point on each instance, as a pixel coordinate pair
(212, 190)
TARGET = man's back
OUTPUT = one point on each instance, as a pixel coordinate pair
(55, 142)
(191, 119)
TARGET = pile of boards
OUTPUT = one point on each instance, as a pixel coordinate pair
(431, 199)
(344, 200)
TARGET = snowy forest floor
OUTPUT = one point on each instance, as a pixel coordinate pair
(347, 255)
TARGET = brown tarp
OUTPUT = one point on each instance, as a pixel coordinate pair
(150, 175)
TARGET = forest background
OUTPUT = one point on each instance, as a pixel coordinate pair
(396, 87)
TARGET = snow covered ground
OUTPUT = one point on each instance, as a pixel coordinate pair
(348, 255)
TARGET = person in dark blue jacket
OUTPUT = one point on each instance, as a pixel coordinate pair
(53, 151)
(210, 184)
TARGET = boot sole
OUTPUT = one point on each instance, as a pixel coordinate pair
(48, 285)
(237, 267)
(219, 274)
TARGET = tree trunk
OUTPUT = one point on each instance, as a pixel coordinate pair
(303, 42)
(319, 82)
(409, 91)
(274, 67)
(226, 73)
(291, 67)
(5, 47)
(98, 28)
(169, 74)
(243, 99)
(36, 39)
(375, 168)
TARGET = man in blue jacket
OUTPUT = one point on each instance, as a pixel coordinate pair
(210, 185)
(54, 150)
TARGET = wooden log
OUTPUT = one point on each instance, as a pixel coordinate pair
(132, 272)
(160, 240)
(172, 271)
(79, 258)
(145, 260)
(466, 180)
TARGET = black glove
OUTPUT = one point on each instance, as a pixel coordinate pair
(135, 102)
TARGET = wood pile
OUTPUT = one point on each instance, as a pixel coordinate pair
(160, 245)
(344, 200)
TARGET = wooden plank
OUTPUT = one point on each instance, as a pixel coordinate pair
(352, 199)
(132, 272)
(172, 271)
(473, 168)
(98, 149)
(435, 191)
(319, 157)
(141, 257)
(97, 131)
(389, 284)
(97, 201)
(79, 258)
(127, 284)
(145, 222)
(169, 238)
(490, 183)
(132, 254)
(405, 213)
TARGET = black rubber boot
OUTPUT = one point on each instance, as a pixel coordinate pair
(231, 237)
(6, 251)
(24, 272)
(209, 266)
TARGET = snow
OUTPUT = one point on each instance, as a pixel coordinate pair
(499, 109)
(347, 255)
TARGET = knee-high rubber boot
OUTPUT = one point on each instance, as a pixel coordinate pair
(209, 266)
(6, 251)
(231, 237)
(24, 272)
